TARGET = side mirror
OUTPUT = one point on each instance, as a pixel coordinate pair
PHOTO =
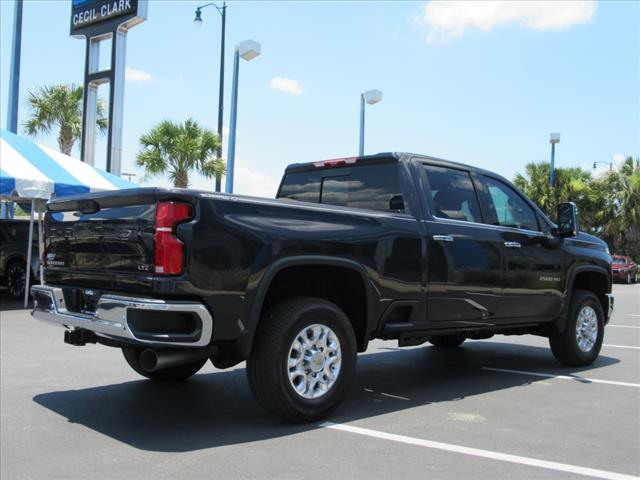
(567, 220)
(396, 203)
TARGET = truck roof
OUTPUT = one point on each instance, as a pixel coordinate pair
(377, 158)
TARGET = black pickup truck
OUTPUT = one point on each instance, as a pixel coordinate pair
(390, 246)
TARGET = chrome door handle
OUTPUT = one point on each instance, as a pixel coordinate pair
(443, 238)
(512, 244)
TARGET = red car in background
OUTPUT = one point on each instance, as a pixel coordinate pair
(624, 269)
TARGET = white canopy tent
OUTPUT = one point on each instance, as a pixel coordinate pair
(33, 173)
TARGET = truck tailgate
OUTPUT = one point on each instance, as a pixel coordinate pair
(102, 241)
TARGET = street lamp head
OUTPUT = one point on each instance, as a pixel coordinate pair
(198, 20)
(554, 138)
(248, 49)
(372, 96)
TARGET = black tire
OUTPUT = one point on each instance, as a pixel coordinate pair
(447, 341)
(565, 345)
(15, 278)
(172, 374)
(267, 367)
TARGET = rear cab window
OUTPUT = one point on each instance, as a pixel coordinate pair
(370, 186)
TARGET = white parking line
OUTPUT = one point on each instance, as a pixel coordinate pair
(476, 452)
(620, 346)
(562, 377)
(633, 314)
(393, 396)
(623, 326)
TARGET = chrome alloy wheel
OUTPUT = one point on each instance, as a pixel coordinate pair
(314, 361)
(587, 328)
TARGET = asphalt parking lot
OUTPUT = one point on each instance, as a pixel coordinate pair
(497, 408)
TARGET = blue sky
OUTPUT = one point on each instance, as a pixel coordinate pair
(483, 84)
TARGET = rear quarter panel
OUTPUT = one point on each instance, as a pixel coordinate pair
(238, 239)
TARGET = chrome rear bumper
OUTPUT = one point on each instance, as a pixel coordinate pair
(110, 317)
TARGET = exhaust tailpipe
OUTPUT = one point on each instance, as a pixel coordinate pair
(152, 360)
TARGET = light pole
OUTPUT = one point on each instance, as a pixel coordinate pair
(606, 163)
(248, 50)
(14, 75)
(198, 21)
(553, 139)
(371, 97)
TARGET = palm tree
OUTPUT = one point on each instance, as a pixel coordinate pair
(177, 148)
(620, 214)
(571, 185)
(59, 105)
(608, 206)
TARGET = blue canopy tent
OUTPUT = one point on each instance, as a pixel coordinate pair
(33, 173)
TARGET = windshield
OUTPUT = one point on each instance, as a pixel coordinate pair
(619, 261)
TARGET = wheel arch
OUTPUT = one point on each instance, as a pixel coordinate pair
(363, 298)
(593, 278)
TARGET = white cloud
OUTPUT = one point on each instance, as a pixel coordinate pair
(246, 181)
(134, 75)
(447, 20)
(285, 85)
(618, 158)
(257, 184)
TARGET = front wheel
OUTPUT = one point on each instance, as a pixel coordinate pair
(580, 343)
(171, 374)
(303, 359)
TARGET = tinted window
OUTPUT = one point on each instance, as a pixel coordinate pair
(304, 187)
(452, 194)
(373, 187)
(19, 231)
(507, 208)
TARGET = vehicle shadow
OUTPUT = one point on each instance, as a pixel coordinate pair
(217, 409)
(8, 303)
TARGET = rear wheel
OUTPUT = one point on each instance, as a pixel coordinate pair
(16, 277)
(447, 341)
(172, 374)
(580, 343)
(303, 359)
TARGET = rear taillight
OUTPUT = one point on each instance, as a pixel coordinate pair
(169, 251)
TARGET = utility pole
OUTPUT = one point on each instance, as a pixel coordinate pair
(14, 82)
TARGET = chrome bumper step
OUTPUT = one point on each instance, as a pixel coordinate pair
(110, 317)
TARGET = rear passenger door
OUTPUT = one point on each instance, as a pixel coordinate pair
(464, 271)
(534, 271)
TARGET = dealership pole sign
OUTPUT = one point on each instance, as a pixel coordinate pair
(98, 21)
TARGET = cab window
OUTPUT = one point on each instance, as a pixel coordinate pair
(452, 194)
(368, 186)
(506, 208)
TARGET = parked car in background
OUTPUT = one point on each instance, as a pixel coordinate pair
(14, 237)
(624, 269)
